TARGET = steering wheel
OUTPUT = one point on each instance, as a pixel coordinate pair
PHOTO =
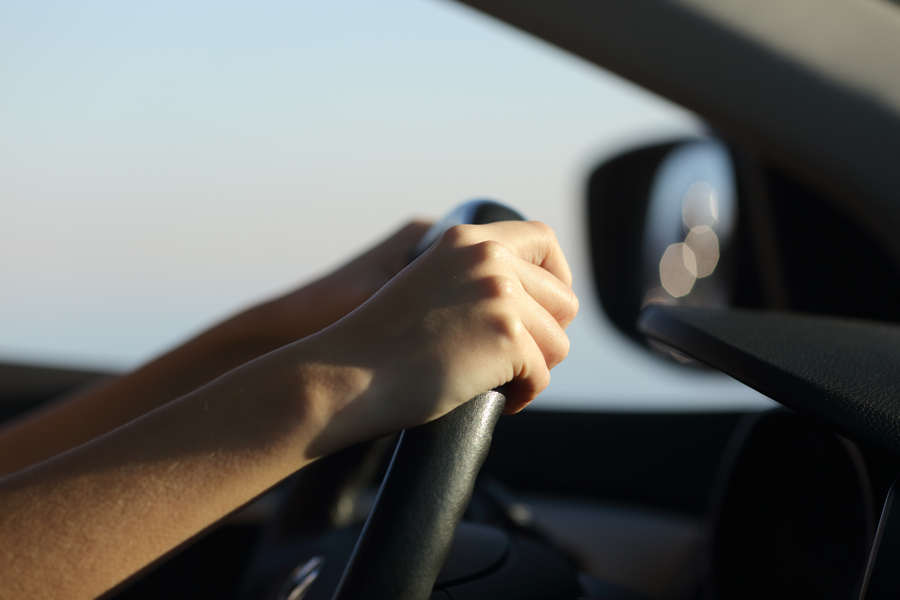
(429, 482)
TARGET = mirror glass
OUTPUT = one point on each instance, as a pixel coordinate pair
(689, 226)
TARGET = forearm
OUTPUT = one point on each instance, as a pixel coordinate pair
(89, 413)
(81, 417)
(79, 523)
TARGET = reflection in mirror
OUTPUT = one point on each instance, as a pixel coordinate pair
(690, 220)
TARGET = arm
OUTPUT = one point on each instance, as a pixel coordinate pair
(75, 525)
(485, 307)
(76, 419)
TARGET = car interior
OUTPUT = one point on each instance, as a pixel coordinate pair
(766, 249)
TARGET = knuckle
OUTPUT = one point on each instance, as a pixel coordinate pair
(456, 236)
(489, 251)
(499, 287)
(544, 229)
(504, 325)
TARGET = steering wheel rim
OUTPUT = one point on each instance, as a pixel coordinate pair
(407, 535)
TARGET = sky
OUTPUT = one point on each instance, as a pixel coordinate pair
(165, 163)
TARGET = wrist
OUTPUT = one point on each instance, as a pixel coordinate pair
(334, 398)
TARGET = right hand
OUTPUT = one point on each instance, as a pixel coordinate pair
(486, 306)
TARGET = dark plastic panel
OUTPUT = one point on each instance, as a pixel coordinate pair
(845, 373)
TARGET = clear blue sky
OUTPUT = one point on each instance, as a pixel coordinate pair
(166, 162)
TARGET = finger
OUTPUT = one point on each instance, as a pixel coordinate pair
(532, 241)
(553, 295)
(546, 332)
(532, 378)
(536, 243)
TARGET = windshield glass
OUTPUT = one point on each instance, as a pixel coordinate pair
(166, 163)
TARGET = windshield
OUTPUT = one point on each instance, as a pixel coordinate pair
(166, 163)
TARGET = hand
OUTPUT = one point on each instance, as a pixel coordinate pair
(486, 306)
(314, 306)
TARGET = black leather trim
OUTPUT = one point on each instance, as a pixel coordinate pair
(429, 483)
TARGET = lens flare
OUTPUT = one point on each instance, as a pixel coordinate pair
(678, 270)
(705, 244)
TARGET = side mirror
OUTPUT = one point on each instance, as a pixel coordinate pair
(699, 222)
(663, 221)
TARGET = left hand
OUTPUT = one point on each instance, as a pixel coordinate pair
(313, 307)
